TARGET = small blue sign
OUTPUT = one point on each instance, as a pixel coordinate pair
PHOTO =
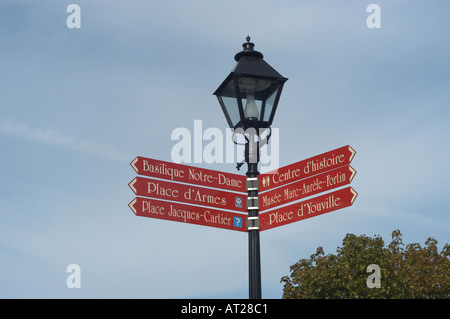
(237, 222)
(238, 202)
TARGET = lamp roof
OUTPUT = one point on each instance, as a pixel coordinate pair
(251, 62)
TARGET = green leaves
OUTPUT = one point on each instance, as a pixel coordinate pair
(405, 272)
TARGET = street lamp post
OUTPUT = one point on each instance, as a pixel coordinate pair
(256, 83)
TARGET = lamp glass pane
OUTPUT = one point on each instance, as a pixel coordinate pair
(269, 105)
(232, 109)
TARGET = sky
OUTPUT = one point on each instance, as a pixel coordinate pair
(77, 105)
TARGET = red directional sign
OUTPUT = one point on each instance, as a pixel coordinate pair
(190, 214)
(308, 167)
(154, 188)
(188, 174)
(308, 208)
(306, 187)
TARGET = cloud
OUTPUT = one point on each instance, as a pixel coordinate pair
(57, 138)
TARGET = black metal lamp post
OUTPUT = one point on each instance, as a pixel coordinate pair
(249, 97)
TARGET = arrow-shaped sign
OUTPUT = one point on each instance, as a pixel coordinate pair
(308, 208)
(307, 187)
(190, 214)
(305, 168)
(154, 188)
(188, 174)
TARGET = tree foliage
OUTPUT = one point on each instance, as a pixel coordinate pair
(405, 272)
